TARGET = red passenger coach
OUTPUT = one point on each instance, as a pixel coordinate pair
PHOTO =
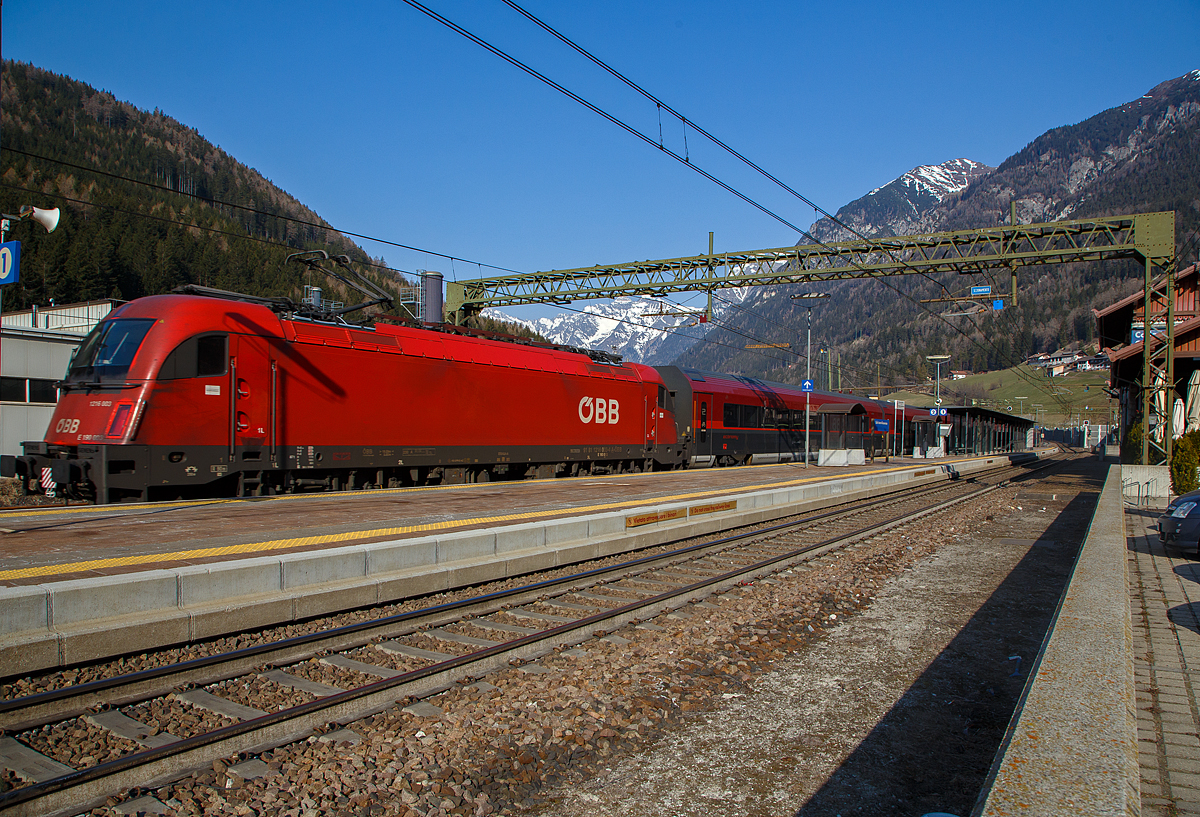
(733, 419)
(183, 395)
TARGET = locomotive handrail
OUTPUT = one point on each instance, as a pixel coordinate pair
(67, 385)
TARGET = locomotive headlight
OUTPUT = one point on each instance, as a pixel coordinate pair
(1183, 510)
(120, 419)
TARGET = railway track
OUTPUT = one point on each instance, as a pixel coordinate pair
(275, 693)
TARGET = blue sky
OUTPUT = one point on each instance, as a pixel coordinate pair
(390, 125)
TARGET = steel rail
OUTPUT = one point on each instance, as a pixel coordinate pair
(30, 711)
(88, 787)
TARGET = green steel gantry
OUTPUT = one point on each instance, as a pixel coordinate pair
(1148, 237)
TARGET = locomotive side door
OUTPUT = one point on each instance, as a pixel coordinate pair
(651, 423)
(252, 401)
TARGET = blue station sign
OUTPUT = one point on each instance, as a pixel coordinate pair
(10, 262)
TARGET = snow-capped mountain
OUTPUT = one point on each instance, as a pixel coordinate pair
(634, 328)
(1139, 157)
(903, 206)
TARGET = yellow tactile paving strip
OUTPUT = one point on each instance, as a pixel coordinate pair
(355, 536)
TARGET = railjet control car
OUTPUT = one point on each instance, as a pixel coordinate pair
(186, 395)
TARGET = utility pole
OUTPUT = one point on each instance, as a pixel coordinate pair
(804, 299)
(939, 360)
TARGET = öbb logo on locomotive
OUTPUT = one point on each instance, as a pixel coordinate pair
(67, 425)
(599, 410)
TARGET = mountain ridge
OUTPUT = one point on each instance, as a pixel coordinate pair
(1141, 156)
(162, 207)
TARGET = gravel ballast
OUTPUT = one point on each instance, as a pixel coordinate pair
(830, 687)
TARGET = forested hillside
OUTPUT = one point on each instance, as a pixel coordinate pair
(1140, 157)
(148, 204)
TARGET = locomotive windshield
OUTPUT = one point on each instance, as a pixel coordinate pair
(108, 350)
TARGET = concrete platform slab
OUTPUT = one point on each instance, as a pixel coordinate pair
(80, 584)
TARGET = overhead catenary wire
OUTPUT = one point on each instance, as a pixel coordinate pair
(257, 239)
(702, 131)
(217, 202)
(563, 90)
(190, 225)
(511, 60)
(684, 159)
(661, 105)
(633, 131)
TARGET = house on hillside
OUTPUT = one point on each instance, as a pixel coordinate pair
(1093, 363)
(1059, 363)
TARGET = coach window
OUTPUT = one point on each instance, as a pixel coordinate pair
(198, 356)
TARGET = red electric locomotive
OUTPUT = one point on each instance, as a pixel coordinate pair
(210, 393)
(185, 395)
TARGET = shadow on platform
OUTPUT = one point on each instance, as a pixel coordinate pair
(933, 750)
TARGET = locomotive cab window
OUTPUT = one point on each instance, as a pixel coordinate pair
(666, 399)
(198, 356)
(107, 351)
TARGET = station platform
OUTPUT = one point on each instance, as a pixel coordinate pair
(81, 583)
(58, 543)
(1165, 593)
(1110, 721)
